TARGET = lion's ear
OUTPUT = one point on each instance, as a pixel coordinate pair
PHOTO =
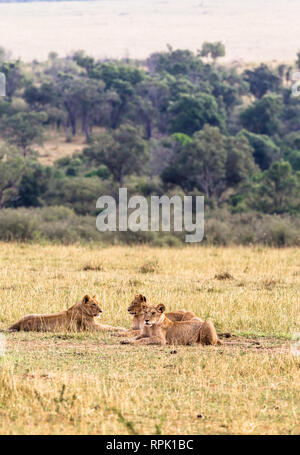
(94, 296)
(86, 298)
(160, 307)
(144, 307)
(140, 297)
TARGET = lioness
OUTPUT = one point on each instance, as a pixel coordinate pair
(161, 330)
(136, 310)
(80, 317)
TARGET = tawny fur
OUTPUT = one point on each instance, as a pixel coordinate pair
(136, 310)
(161, 330)
(80, 317)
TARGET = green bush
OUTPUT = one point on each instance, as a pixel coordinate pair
(18, 225)
(62, 225)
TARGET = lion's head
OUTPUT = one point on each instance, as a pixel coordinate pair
(91, 306)
(137, 305)
(153, 314)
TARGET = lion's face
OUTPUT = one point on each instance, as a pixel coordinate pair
(152, 314)
(91, 306)
(137, 305)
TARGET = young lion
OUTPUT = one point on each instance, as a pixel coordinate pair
(136, 310)
(161, 330)
(80, 317)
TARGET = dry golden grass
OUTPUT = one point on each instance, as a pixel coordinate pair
(56, 147)
(88, 383)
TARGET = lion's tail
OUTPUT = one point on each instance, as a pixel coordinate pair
(15, 327)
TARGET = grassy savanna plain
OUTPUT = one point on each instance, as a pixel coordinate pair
(68, 383)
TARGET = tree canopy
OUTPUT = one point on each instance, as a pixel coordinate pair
(177, 121)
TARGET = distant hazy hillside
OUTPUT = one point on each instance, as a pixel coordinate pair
(256, 31)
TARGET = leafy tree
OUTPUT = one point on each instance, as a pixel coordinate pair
(67, 88)
(120, 81)
(40, 96)
(209, 161)
(291, 141)
(239, 163)
(265, 150)
(85, 61)
(229, 93)
(91, 98)
(142, 109)
(214, 50)
(11, 170)
(200, 163)
(113, 73)
(279, 189)
(290, 116)
(123, 152)
(262, 80)
(33, 185)
(283, 72)
(24, 129)
(176, 62)
(182, 139)
(262, 117)
(161, 153)
(149, 105)
(294, 159)
(191, 113)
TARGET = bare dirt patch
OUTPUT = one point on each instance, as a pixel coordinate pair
(261, 344)
(232, 342)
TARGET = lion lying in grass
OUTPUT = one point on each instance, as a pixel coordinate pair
(136, 310)
(161, 330)
(80, 317)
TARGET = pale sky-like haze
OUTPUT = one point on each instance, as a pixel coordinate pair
(253, 31)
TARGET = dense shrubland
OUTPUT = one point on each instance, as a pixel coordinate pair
(175, 123)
